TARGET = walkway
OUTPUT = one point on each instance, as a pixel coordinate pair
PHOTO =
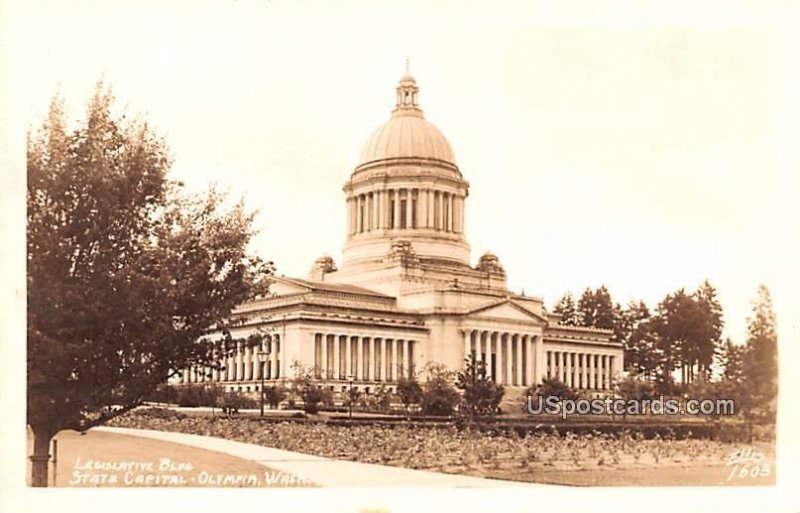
(318, 470)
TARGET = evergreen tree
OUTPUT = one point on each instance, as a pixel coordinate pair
(761, 359)
(481, 395)
(568, 311)
(674, 322)
(706, 343)
(636, 330)
(596, 310)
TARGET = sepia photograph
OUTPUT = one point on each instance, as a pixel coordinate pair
(399, 257)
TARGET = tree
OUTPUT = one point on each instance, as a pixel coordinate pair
(351, 398)
(481, 395)
(707, 334)
(306, 386)
(596, 310)
(273, 395)
(409, 391)
(689, 328)
(635, 330)
(634, 389)
(439, 396)
(568, 311)
(732, 360)
(383, 398)
(126, 274)
(674, 322)
(761, 359)
(552, 387)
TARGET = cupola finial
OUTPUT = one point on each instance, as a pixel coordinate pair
(407, 95)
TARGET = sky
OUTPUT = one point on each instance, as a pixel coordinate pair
(645, 146)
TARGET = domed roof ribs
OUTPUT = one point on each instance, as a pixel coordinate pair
(407, 134)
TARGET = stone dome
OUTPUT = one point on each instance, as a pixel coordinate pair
(407, 134)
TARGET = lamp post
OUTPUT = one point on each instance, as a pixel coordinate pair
(350, 395)
(262, 357)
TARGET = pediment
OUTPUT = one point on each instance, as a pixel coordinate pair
(507, 310)
(285, 287)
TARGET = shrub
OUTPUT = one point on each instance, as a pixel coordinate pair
(197, 395)
(313, 396)
(409, 391)
(159, 413)
(482, 396)
(552, 387)
(274, 395)
(231, 402)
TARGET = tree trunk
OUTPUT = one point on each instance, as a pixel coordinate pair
(40, 459)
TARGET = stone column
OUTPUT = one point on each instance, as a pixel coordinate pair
(348, 357)
(250, 357)
(386, 206)
(359, 374)
(354, 357)
(389, 357)
(399, 358)
(336, 355)
(450, 213)
(539, 367)
(459, 202)
(324, 356)
(520, 377)
(372, 210)
(370, 358)
(482, 346)
(606, 380)
(412, 367)
(585, 371)
(559, 369)
(467, 343)
(384, 363)
(530, 360)
(510, 358)
(378, 214)
(422, 204)
(396, 197)
(227, 371)
(443, 212)
(591, 381)
(429, 208)
(239, 361)
(497, 341)
(273, 357)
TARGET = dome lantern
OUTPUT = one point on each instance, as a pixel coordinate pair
(407, 91)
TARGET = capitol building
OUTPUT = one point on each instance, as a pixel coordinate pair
(405, 292)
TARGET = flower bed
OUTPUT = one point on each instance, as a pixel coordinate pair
(447, 448)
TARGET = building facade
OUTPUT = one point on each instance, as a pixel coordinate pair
(406, 293)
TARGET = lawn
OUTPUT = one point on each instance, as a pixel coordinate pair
(590, 459)
(99, 459)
